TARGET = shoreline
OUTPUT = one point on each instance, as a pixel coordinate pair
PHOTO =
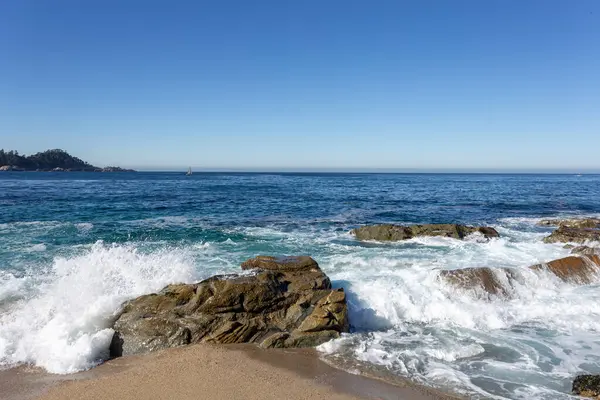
(216, 371)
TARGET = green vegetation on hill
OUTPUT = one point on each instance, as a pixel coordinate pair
(48, 160)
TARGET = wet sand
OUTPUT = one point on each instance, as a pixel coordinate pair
(209, 372)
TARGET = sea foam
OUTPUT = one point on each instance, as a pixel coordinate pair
(63, 323)
(408, 320)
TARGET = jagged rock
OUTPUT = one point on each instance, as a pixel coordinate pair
(500, 281)
(284, 302)
(580, 270)
(565, 234)
(579, 223)
(586, 250)
(399, 232)
(587, 386)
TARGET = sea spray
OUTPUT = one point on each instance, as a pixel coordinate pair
(64, 325)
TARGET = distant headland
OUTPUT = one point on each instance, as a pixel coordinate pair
(50, 160)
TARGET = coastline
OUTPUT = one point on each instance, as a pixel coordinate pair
(216, 372)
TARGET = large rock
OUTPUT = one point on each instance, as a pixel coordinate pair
(565, 234)
(500, 281)
(283, 302)
(587, 386)
(579, 223)
(400, 232)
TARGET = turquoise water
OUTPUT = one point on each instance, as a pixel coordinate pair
(73, 246)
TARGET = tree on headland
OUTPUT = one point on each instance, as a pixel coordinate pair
(48, 160)
(58, 158)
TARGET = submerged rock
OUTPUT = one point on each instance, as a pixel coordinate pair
(286, 302)
(500, 281)
(399, 232)
(494, 281)
(565, 234)
(587, 386)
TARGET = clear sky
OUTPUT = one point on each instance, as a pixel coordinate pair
(510, 84)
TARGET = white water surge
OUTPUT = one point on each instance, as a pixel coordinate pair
(528, 345)
(406, 320)
(59, 318)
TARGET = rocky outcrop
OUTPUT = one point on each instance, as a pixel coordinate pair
(586, 251)
(577, 230)
(400, 232)
(566, 234)
(114, 169)
(281, 302)
(10, 168)
(580, 270)
(587, 386)
(578, 223)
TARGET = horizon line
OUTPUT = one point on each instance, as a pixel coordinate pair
(560, 171)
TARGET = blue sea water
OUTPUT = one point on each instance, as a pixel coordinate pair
(74, 246)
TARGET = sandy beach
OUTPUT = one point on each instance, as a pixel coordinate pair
(209, 372)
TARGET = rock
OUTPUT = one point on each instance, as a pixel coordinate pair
(10, 168)
(579, 223)
(494, 281)
(580, 270)
(586, 250)
(282, 302)
(578, 230)
(399, 232)
(500, 281)
(566, 234)
(113, 169)
(587, 386)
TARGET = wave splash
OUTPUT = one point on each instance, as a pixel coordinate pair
(527, 344)
(61, 320)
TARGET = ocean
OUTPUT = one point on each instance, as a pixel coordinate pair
(74, 246)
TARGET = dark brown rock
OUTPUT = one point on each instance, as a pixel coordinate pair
(400, 232)
(286, 302)
(587, 386)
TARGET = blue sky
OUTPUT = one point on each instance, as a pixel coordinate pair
(304, 84)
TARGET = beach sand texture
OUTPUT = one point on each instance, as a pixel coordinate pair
(211, 372)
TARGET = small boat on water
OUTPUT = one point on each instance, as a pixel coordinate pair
(189, 171)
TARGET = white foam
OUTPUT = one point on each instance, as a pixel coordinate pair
(37, 247)
(431, 330)
(84, 226)
(63, 326)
